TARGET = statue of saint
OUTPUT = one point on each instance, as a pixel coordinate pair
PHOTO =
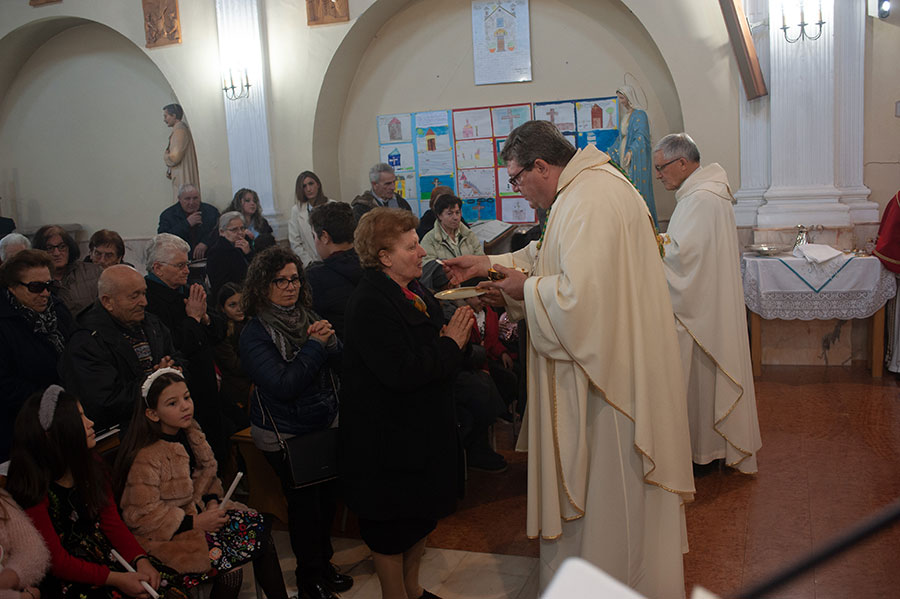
(632, 148)
(180, 156)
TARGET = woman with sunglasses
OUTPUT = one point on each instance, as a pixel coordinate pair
(288, 352)
(34, 328)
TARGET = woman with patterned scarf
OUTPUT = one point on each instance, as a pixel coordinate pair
(34, 328)
(288, 352)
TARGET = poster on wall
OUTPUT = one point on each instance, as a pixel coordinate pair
(475, 183)
(401, 157)
(506, 118)
(501, 41)
(434, 152)
(406, 187)
(475, 153)
(394, 128)
(472, 123)
(517, 210)
(475, 209)
(597, 121)
(561, 114)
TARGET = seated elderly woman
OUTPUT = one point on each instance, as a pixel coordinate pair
(105, 248)
(228, 258)
(450, 238)
(259, 231)
(402, 463)
(288, 353)
(182, 309)
(77, 279)
(11, 244)
(34, 328)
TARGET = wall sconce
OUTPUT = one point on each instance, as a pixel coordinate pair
(235, 90)
(802, 34)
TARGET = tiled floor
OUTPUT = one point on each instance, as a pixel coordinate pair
(831, 456)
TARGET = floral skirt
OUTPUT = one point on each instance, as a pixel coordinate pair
(238, 542)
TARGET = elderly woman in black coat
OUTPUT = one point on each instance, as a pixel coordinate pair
(34, 328)
(402, 463)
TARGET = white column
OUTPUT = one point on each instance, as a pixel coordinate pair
(850, 50)
(755, 154)
(240, 48)
(803, 122)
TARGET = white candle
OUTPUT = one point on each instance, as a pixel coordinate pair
(128, 567)
(237, 478)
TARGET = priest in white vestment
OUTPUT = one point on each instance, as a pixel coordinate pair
(606, 423)
(702, 263)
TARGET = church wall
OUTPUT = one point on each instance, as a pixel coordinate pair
(121, 167)
(421, 59)
(881, 150)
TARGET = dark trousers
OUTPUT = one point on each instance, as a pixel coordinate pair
(310, 515)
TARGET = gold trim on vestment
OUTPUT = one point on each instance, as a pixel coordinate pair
(746, 453)
(883, 257)
(639, 449)
(555, 424)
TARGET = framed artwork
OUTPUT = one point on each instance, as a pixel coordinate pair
(162, 25)
(322, 12)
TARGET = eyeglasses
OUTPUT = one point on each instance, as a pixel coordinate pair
(514, 180)
(662, 166)
(60, 247)
(236, 229)
(179, 266)
(283, 283)
(39, 286)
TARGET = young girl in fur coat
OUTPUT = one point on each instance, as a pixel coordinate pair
(171, 496)
(24, 558)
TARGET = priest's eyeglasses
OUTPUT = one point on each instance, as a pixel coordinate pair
(283, 283)
(514, 180)
(660, 167)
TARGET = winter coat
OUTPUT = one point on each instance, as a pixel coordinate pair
(160, 491)
(332, 281)
(400, 451)
(225, 263)
(366, 201)
(99, 365)
(437, 243)
(28, 363)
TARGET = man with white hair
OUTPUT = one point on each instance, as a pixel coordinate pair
(192, 220)
(182, 308)
(116, 345)
(12, 244)
(383, 192)
(702, 264)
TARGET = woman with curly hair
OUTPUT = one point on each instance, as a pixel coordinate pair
(288, 351)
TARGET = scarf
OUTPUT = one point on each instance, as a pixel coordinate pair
(287, 328)
(42, 323)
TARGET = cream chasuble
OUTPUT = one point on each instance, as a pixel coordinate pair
(606, 420)
(702, 265)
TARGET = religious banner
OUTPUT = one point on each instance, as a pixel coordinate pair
(322, 12)
(501, 41)
(162, 25)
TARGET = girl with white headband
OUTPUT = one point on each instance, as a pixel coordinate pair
(171, 497)
(59, 479)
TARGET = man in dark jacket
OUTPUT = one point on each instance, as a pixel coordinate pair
(115, 347)
(383, 192)
(192, 220)
(334, 279)
(182, 309)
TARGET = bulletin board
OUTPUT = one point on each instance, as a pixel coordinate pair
(460, 148)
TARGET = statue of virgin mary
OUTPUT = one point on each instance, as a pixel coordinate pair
(632, 150)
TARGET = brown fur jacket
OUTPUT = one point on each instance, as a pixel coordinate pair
(160, 492)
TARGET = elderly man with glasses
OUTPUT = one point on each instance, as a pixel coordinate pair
(383, 192)
(702, 262)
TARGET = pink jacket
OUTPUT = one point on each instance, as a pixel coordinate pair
(24, 551)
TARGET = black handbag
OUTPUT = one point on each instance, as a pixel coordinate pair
(312, 458)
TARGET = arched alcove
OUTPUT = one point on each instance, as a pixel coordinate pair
(401, 56)
(81, 132)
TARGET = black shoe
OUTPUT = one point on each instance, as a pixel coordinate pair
(316, 590)
(336, 581)
(486, 461)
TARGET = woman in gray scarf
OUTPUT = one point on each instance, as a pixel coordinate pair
(289, 352)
